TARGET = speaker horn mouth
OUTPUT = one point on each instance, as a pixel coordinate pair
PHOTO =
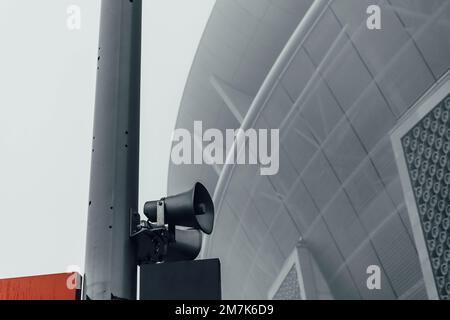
(203, 208)
(193, 208)
(187, 245)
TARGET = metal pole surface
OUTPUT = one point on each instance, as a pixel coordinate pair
(110, 270)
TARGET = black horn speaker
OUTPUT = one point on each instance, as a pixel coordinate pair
(153, 247)
(187, 245)
(193, 209)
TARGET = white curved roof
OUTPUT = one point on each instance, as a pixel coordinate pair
(336, 90)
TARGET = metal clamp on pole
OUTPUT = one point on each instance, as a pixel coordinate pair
(159, 240)
(160, 213)
(135, 223)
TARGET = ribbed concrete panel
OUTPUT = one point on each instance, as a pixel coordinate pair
(417, 292)
(403, 213)
(321, 111)
(241, 255)
(300, 144)
(236, 101)
(258, 283)
(277, 107)
(382, 157)
(343, 286)
(395, 191)
(241, 184)
(292, 6)
(428, 23)
(253, 225)
(286, 176)
(344, 224)
(352, 14)
(363, 185)
(397, 255)
(301, 206)
(323, 248)
(297, 76)
(322, 37)
(370, 116)
(257, 8)
(269, 256)
(377, 212)
(347, 65)
(410, 83)
(320, 180)
(224, 230)
(344, 150)
(285, 232)
(266, 200)
(389, 54)
(357, 264)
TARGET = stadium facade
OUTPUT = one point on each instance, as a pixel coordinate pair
(360, 112)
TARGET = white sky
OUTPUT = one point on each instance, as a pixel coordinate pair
(47, 89)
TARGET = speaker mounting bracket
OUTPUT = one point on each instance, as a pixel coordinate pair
(160, 213)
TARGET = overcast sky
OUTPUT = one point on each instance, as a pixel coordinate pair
(47, 89)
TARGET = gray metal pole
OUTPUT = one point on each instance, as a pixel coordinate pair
(110, 256)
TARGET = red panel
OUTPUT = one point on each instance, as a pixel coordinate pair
(63, 286)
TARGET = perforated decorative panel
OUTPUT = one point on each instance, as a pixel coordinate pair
(289, 288)
(426, 148)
